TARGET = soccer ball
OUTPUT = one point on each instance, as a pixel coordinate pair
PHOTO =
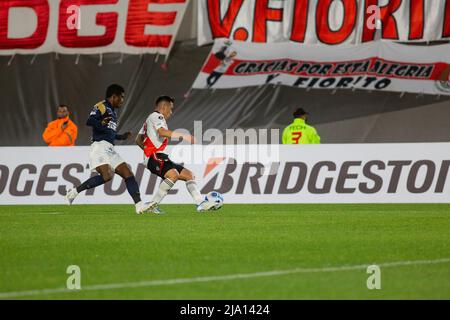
(216, 198)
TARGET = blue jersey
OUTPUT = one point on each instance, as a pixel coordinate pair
(106, 132)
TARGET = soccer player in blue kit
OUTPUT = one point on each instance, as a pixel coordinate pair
(102, 156)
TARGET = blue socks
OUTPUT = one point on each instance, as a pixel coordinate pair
(91, 183)
(133, 189)
(130, 182)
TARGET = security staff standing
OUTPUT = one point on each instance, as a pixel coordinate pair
(62, 131)
(298, 132)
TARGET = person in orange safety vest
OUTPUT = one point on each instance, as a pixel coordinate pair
(62, 131)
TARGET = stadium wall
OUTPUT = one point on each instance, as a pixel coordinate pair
(32, 87)
(338, 173)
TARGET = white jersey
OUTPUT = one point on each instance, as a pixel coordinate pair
(153, 143)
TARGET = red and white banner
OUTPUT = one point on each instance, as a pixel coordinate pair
(382, 66)
(89, 26)
(330, 22)
(333, 173)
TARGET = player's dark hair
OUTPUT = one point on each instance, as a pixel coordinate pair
(62, 106)
(114, 89)
(164, 99)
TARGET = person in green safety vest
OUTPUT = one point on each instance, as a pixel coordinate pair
(298, 132)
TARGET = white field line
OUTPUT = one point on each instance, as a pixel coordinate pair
(47, 212)
(152, 283)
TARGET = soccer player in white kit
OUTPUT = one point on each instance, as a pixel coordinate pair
(153, 139)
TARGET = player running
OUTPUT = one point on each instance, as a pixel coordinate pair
(153, 139)
(102, 156)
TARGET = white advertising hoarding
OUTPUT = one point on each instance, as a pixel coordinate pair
(333, 173)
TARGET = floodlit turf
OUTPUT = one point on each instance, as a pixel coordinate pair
(112, 245)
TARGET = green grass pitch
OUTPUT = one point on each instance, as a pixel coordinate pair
(240, 252)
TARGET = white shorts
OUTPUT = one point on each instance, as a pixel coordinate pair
(102, 152)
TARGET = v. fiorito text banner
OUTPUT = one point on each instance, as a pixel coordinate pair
(381, 66)
(89, 26)
(329, 22)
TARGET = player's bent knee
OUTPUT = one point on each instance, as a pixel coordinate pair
(172, 175)
(187, 175)
(107, 176)
(106, 173)
(124, 171)
(127, 175)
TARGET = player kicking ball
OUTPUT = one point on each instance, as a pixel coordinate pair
(153, 139)
(102, 156)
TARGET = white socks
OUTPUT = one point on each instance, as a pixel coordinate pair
(164, 188)
(193, 190)
(167, 184)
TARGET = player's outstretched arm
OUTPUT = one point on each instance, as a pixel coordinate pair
(123, 136)
(175, 135)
